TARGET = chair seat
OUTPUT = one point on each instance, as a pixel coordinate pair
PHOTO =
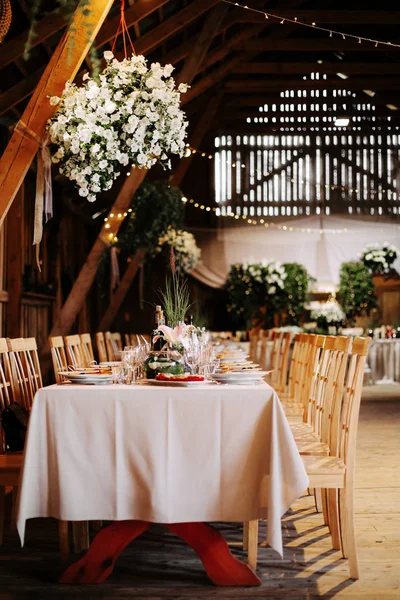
(300, 428)
(293, 409)
(324, 471)
(315, 448)
(10, 467)
(305, 436)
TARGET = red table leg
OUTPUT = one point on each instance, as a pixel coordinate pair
(99, 561)
(220, 565)
(210, 546)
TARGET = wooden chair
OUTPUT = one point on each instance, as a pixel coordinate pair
(254, 345)
(87, 348)
(127, 339)
(113, 345)
(26, 377)
(101, 347)
(283, 361)
(58, 357)
(265, 345)
(336, 472)
(75, 354)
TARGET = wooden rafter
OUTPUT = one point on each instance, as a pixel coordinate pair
(202, 43)
(143, 45)
(326, 17)
(315, 45)
(63, 65)
(229, 114)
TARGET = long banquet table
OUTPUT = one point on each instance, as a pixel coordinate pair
(160, 454)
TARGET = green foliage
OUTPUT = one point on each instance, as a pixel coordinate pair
(356, 290)
(266, 291)
(155, 207)
(175, 299)
(297, 286)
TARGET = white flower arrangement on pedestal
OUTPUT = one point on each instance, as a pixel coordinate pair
(271, 273)
(131, 116)
(183, 243)
(379, 259)
(330, 311)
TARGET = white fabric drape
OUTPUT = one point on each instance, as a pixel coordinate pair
(164, 455)
(321, 253)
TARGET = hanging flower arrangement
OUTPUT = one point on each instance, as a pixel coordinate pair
(131, 116)
(187, 253)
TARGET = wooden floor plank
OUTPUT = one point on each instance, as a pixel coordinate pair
(158, 565)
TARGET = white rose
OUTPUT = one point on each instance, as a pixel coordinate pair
(54, 100)
(183, 88)
(108, 55)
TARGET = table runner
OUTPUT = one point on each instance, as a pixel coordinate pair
(160, 454)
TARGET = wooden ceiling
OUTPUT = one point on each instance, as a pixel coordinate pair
(249, 61)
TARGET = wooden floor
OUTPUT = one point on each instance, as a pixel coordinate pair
(158, 565)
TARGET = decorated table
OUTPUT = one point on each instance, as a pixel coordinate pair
(384, 360)
(160, 455)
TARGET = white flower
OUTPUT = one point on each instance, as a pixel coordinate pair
(183, 88)
(54, 100)
(108, 55)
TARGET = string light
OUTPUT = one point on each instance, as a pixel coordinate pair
(312, 25)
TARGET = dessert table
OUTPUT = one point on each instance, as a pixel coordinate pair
(161, 455)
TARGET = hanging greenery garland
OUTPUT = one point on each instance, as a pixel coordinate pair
(131, 117)
(183, 244)
(155, 207)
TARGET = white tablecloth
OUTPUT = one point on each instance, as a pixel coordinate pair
(164, 455)
(384, 360)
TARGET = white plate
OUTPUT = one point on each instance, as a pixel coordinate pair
(242, 375)
(86, 378)
(175, 383)
(112, 363)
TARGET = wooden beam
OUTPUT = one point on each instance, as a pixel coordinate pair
(143, 45)
(84, 281)
(63, 66)
(316, 45)
(14, 231)
(201, 45)
(236, 128)
(203, 125)
(294, 68)
(119, 295)
(229, 114)
(326, 17)
(53, 23)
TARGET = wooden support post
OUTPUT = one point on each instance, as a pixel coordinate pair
(62, 67)
(84, 281)
(14, 265)
(118, 296)
(201, 129)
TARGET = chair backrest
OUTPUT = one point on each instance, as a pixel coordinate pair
(350, 406)
(293, 364)
(116, 338)
(110, 346)
(6, 392)
(58, 357)
(127, 339)
(26, 377)
(87, 348)
(282, 372)
(74, 350)
(266, 349)
(254, 336)
(101, 347)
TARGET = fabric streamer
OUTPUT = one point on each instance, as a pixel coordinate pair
(114, 268)
(44, 191)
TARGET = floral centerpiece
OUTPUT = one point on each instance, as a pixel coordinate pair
(379, 259)
(130, 116)
(183, 244)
